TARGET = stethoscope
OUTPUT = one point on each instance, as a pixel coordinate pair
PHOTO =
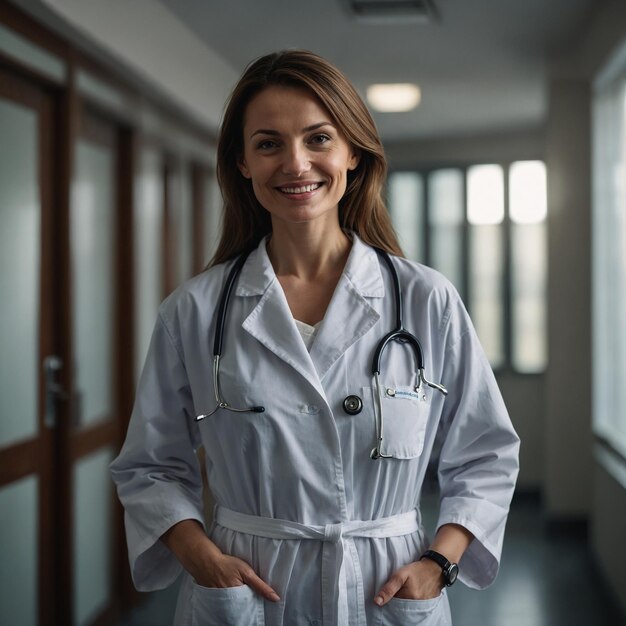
(352, 404)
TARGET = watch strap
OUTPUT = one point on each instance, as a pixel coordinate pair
(437, 557)
(449, 570)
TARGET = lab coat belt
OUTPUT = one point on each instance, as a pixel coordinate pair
(334, 537)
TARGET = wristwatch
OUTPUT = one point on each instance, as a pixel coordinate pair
(449, 570)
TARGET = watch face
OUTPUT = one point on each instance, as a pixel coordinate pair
(451, 574)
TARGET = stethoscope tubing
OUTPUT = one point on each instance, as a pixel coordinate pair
(399, 334)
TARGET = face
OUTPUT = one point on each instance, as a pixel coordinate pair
(294, 155)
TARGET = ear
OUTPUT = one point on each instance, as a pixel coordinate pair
(241, 164)
(355, 159)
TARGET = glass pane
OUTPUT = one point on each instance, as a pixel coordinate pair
(485, 194)
(407, 212)
(19, 546)
(446, 218)
(20, 236)
(148, 234)
(609, 265)
(182, 213)
(486, 266)
(93, 544)
(92, 227)
(528, 210)
(25, 51)
(212, 215)
(528, 294)
(528, 200)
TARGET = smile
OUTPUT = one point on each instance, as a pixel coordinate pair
(302, 189)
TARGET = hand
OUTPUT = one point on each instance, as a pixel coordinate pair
(421, 580)
(229, 571)
(208, 565)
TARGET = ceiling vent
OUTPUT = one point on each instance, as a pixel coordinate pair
(392, 11)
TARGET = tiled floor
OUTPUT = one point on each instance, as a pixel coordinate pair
(547, 578)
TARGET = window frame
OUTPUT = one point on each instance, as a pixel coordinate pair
(464, 289)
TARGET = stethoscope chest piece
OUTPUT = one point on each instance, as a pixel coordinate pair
(352, 405)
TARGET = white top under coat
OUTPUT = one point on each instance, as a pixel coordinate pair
(307, 332)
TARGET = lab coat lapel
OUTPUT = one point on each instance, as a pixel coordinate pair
(271, 322)
(350, 314)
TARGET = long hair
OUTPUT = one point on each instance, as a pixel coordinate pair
(361, 209)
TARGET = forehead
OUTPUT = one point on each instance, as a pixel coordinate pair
(284, 106)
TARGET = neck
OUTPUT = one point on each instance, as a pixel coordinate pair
(306, 251)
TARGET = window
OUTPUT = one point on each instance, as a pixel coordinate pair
(609, 259)
(484, 228)
(446, 220)
(485, 300)
(405, 202)
(528, 211)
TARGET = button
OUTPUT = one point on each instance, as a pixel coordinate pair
(390, 392)
(352, 405)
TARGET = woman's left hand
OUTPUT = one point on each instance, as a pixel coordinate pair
(420, 580)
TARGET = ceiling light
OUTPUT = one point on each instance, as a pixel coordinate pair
(394, 97)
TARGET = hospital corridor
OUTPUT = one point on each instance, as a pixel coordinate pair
(504, 130)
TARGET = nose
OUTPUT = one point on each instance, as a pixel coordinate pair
(296, 160)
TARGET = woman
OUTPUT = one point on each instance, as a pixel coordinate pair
(317, 477)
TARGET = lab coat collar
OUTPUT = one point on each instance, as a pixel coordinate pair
(362, 269)
(349, 316)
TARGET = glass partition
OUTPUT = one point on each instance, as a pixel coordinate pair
(93, 539)
(485, 213)
(148, 249)
(20, 237)
(92, 244)
(529, 264)
(446, 220)
(19, 546)
(406, 205)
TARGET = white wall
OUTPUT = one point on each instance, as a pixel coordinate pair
(145, 37)
(524, 143)
(567, 439)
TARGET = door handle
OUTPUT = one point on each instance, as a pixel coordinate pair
(54, 391)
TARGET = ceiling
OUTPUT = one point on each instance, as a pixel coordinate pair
(481, 65)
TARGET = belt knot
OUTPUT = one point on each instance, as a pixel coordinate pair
(333, 532)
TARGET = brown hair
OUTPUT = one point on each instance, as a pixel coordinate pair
(362, 209)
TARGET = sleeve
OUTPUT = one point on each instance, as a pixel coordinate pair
(157, 472)
(478, 462)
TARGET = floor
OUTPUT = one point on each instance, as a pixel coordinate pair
(547, 578)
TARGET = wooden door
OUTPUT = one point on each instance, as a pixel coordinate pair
(100, 349)
(31, 355)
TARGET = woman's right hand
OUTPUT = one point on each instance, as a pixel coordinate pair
(208, 565)
(229, 571)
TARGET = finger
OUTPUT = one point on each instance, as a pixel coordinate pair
(249, 576)
(390, 588)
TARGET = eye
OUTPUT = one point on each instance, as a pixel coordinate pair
(267, 144)
(320, 139)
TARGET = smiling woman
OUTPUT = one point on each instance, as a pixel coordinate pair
(295, 157)
(317, 482)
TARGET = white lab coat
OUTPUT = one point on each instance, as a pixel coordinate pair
(304, 459)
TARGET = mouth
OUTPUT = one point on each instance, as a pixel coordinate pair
(293, 190)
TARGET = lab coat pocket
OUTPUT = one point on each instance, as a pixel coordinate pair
(401, 612)
(405, 415)
(230, 606)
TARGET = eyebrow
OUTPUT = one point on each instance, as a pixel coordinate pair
(275, 133)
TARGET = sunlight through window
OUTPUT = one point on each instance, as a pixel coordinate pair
(485, 194)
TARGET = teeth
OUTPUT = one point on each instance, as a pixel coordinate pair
(303, 189)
